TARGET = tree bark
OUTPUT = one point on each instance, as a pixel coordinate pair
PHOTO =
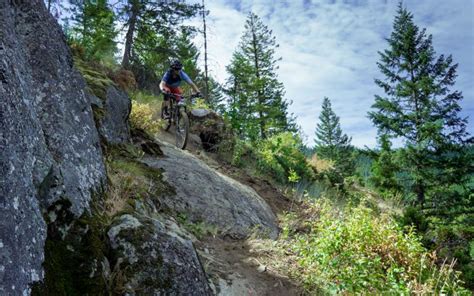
(129, 37)
(259, 91)
(206, 77)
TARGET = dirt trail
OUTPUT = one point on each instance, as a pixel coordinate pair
(236, 270)
(230, 264)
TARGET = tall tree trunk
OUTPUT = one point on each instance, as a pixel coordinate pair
(259, 91)
(206, 77)
(419, 186)
(420, 193)
(129, 36)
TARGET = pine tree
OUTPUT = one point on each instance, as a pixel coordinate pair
(420, 109)
(216, 96)
(188, 54)
(241, 97)
(151, 24)
(330, 142)
(94, 28)
(257, 106)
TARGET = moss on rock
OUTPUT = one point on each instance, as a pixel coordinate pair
(74, 252)
(97, 81)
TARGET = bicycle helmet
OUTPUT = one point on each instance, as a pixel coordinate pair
(176, 65)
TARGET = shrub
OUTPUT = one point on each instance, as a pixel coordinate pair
(240, 148)
(281, 157)
(142, 116)
(200, 103)
(413, 216)
(351, 251)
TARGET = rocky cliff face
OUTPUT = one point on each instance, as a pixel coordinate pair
(49, 144)
(56, 236)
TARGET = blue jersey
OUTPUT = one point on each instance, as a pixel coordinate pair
(176, 81)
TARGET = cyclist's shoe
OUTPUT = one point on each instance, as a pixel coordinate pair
(166, 114)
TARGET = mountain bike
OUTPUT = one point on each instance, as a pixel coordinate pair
(178, 117)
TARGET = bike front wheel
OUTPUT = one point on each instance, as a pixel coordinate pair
(182, 129)
(168, 119)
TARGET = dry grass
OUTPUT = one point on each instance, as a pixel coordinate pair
(321, 165)
(121, 185)
(128, 181)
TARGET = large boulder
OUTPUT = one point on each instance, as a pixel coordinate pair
(205, 195)
(210, 127)
(50, 148)
(152, 257)
(113, 124)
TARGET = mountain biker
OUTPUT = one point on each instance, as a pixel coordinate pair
(171, 81)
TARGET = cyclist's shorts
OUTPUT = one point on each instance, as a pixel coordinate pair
(174, 90)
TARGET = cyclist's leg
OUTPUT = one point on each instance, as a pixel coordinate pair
(165, 106)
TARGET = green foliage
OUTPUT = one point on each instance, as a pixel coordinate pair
(215, 98)
(363, 166)
(453, 241)
(420, 108)
(329, 136)
(151, 29)
(240, 148)
(280, 157)
(257, 108)
(200, 104)
(413, 216)
(331, 143)
(384, 168)
(145, 113)
(94, 28)
(353, 251)
(188, 54)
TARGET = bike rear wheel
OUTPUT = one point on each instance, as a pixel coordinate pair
(182, 129)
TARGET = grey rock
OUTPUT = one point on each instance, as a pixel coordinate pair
(114, 126)
(95, 101)
(210, 127)
(49, 144)
(204, 194)
(155, 259)
(200, 112)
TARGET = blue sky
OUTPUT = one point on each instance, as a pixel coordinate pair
(329, 48)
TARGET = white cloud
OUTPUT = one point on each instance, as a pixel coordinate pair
(329, 48)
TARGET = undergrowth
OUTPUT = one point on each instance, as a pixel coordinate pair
(354, 251)
(145, 112)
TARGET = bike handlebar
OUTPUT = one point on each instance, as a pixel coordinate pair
(193, 96)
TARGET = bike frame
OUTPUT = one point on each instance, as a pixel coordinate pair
(179, 118)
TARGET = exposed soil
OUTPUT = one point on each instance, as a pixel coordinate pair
(231, 265)
(235, 270)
